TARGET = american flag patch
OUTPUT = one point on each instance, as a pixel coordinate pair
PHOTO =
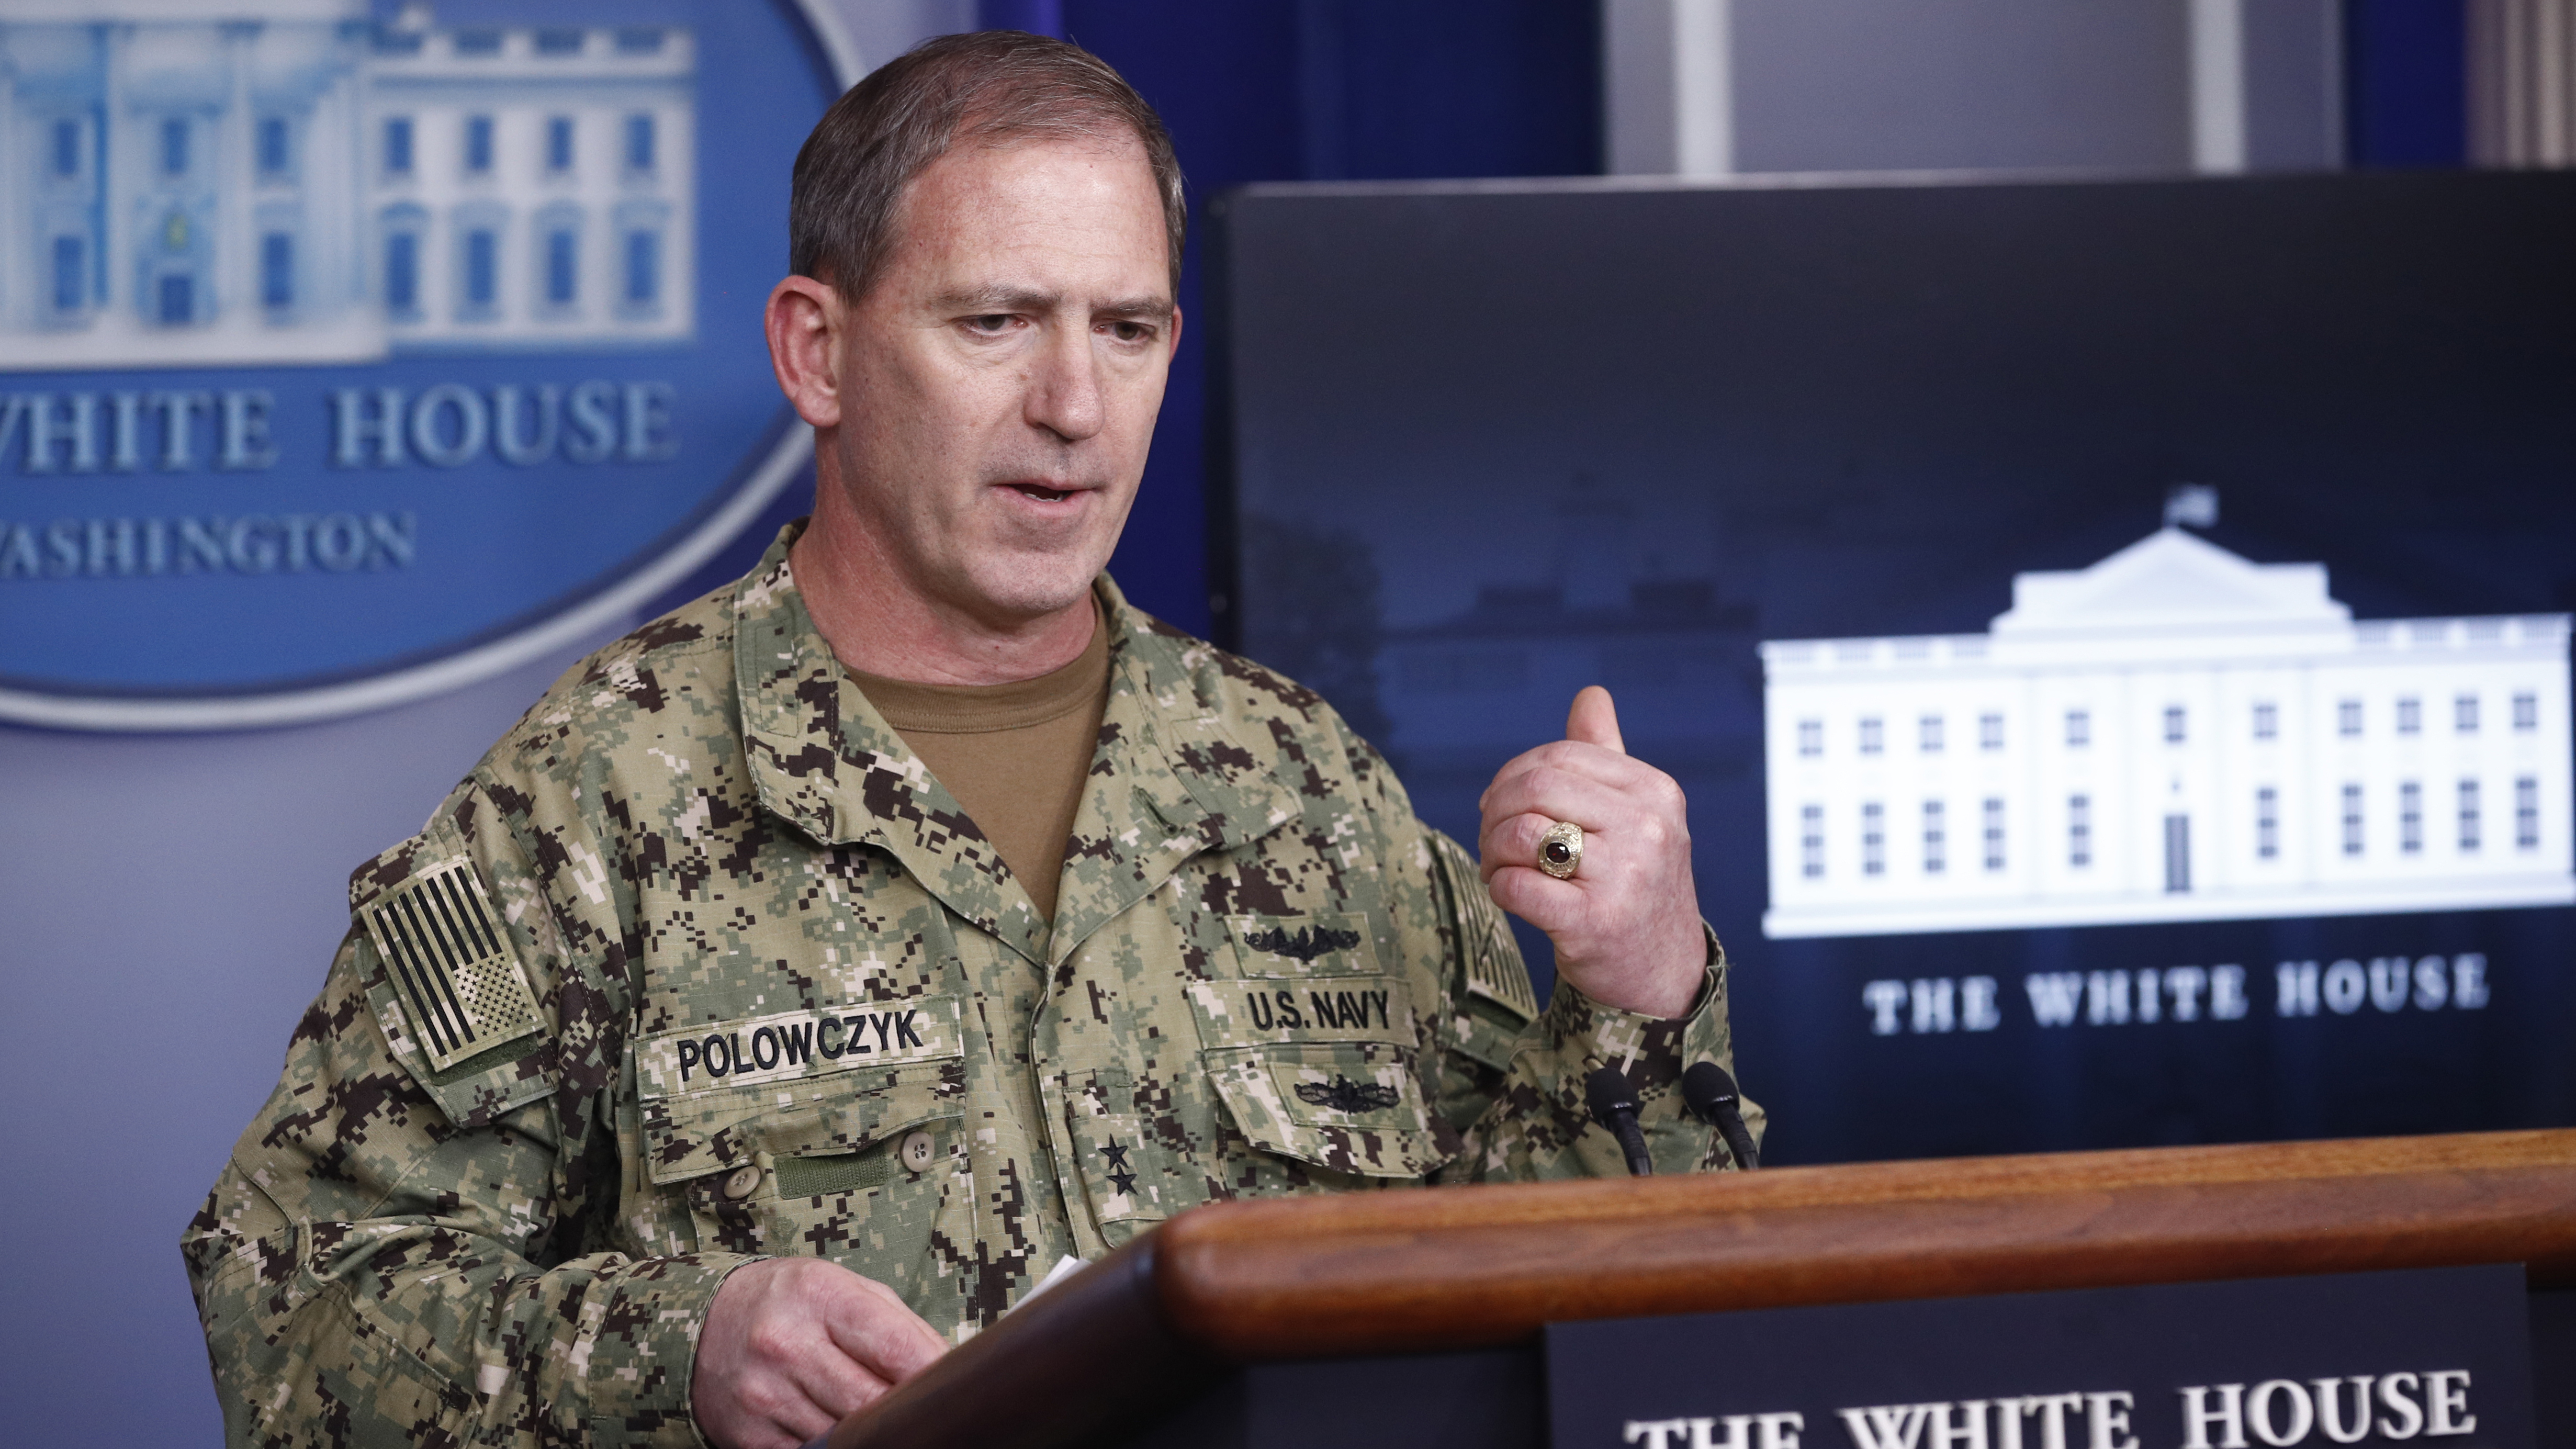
(1494, 968)
(1498, 976)
(452, 964)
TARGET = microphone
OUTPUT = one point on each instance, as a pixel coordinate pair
(1614, 1106)
(1711, 1093)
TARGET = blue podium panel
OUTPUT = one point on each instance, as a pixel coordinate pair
(1477, 1399)
(353, 351)
(2113, 635)
(2454, 1356)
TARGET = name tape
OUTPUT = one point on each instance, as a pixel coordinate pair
(797, 1044)
(1318, 1008)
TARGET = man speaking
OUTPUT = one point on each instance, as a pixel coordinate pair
(813, 970)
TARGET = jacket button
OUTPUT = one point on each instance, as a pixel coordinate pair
(739, 1183)
(917, 1151)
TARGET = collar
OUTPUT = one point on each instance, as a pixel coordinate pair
(1168, 780)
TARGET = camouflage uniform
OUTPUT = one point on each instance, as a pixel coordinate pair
(699, 964)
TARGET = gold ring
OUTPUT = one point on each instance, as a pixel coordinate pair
(1560, 850)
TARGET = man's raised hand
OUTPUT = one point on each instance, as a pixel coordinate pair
(1626, 925)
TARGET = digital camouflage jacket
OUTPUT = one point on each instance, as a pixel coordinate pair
(700, 964)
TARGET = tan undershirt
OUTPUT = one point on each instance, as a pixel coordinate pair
(1014, 755)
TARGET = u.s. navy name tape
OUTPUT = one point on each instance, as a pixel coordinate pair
(795, 1044)
(1314, 1009)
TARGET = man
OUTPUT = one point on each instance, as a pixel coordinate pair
(815, 969)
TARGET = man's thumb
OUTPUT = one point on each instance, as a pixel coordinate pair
(1594, 720)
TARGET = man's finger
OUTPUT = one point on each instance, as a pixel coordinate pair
(1561, 795)
(1594, 720)
(1537, 898)
(835, 1386)
(1593, 762)
(1509, 842)
(883, 1335)
(811, 1416)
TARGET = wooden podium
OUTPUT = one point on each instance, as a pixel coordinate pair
(1105, 1355)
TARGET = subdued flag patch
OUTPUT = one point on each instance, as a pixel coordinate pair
(1494, 967)
(458, 974)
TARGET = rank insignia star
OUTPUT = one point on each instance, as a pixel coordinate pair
(1121, 1176)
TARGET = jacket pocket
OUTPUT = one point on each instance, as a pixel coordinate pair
(1129, 1161)
(865, 1165)
(1351, 1107)
(721, 1132)
(811, 1083)
(1320, 1070)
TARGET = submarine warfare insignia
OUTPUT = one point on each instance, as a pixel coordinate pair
(1344, 1095)
(1308, 943)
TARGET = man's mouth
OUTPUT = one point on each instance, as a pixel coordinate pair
(1042, 493)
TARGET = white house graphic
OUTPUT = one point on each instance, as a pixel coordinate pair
(2173, 734)
(197, 183)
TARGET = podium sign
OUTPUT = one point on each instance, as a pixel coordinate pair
(2440, 1356)
(1418, 1318)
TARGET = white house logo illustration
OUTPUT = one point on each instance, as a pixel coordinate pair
(467, 376)
(185, 184)
(2173, 734)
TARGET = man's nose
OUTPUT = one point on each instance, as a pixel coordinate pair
(1064, 385)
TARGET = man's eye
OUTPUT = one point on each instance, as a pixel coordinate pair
(1130, 331)
(990, 322)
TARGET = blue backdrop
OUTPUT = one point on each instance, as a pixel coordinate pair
(1292, 90)
(188, 888)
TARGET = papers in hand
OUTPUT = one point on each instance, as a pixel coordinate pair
(1065, 1267)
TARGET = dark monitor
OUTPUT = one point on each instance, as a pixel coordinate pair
(2113, 634)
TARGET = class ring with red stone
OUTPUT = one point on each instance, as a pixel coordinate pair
(1560, 850)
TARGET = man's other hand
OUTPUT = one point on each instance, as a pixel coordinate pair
(792, 1345)
(1626, 926)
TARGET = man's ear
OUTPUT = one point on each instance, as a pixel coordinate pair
(804, 321)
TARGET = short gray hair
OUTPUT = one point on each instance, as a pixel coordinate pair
(989, 88)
